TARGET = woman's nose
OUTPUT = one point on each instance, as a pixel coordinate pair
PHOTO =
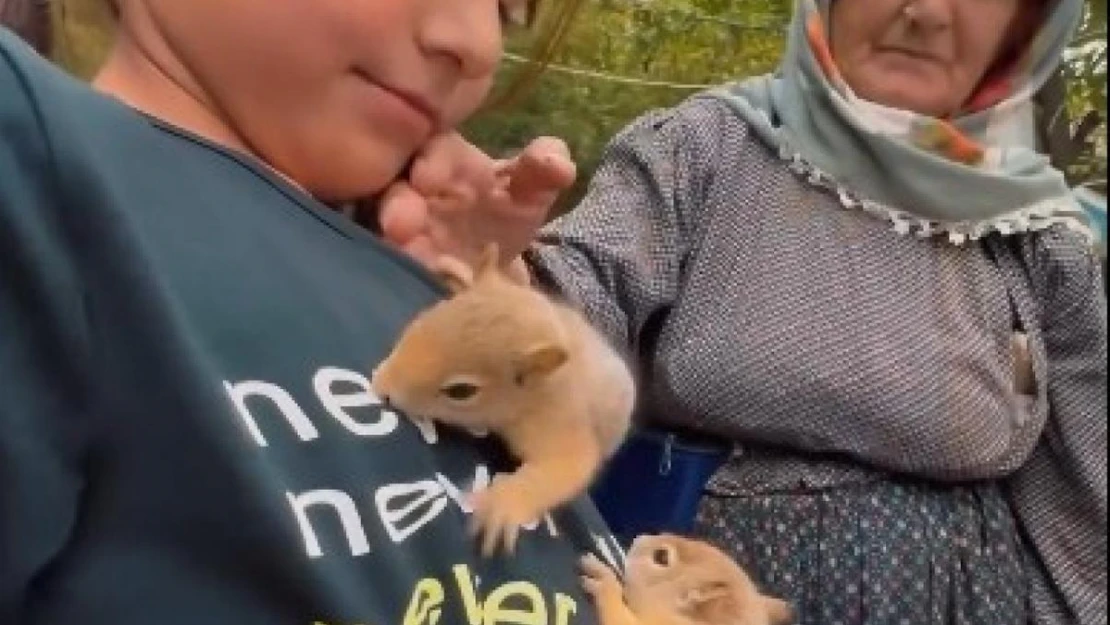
(466, 33)
(929, 14)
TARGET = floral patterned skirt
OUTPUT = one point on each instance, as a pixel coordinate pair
(879, 553)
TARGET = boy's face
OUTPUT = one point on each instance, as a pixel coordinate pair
(335, 94)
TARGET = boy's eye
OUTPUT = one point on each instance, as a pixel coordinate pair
(459, 391)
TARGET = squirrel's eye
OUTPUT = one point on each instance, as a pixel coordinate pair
(459, 390)
(662, 556)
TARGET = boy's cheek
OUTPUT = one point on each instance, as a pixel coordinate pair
(468, 97)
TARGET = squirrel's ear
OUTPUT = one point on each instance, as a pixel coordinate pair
(710, 602)
(538, 361)
(454, 273)
(488, 261)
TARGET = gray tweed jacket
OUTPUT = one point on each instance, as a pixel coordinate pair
(762, 310)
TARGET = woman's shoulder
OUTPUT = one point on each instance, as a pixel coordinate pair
(695, 146)
(1061, 244)
(700, 121)
(1064, 268)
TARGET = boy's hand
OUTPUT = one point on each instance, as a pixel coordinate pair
(457, 199)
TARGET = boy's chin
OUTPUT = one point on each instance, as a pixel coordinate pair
(345, 184)
(350, 171)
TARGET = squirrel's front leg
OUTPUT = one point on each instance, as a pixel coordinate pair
(601, 583)
(551, 474)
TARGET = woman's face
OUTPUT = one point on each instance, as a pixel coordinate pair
(927, 56)
(335, 94)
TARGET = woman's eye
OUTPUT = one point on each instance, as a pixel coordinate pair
(662, 557)
(459, 391)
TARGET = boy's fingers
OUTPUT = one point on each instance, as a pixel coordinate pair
(473, 166)
(421, 249)
(403, 214)
(447, 162)
(541, 171)
(460, 197)
(433, 168)
(549, 146)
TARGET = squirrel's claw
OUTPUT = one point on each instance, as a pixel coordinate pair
(498, 514)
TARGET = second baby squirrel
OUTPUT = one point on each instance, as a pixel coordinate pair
(672, 580)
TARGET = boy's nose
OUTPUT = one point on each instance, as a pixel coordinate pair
(466, 31)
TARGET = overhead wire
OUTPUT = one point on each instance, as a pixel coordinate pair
(752, 24)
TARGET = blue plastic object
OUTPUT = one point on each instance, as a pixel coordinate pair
(654, 482)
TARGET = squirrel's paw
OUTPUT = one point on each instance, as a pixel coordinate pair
(598, 579)
(499, 512)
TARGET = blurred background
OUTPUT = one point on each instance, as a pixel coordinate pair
(623, 57)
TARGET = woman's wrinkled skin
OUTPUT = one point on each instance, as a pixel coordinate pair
(925, 56)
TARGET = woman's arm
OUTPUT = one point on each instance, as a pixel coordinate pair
(1059, 495)
(619, 253)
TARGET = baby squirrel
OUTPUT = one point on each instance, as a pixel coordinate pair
(500, 356)
(670, 580)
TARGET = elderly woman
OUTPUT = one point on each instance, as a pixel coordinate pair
(859, 272)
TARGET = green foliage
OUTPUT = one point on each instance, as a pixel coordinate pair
(701, 42)
(643, 54)
(82, 34)
(1085, 73)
